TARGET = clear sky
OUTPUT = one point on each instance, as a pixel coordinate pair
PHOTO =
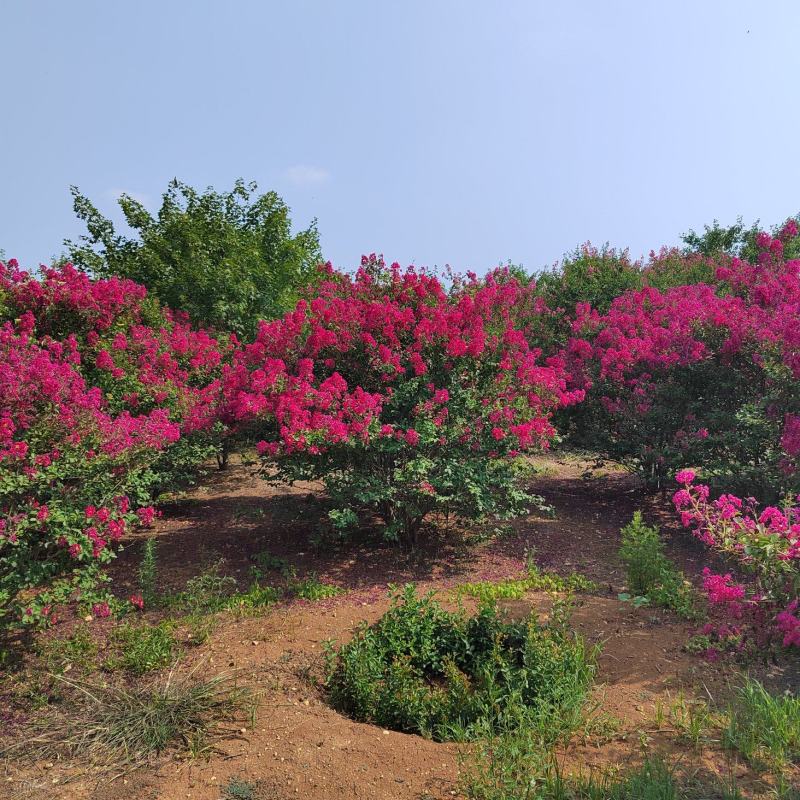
(466, 132)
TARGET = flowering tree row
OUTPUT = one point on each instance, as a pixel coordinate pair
(707, 375)
(406, 397)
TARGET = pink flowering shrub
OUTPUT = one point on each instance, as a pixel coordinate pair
(100, 390)
(404, 398)
(762, 542)
(705, 374)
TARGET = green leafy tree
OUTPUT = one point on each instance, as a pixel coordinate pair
(719, 239)
(228, 259)
(737, 240)
(589, 275)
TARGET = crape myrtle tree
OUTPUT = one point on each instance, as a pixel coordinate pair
(106, 400)
(404, 398)
(228, 259)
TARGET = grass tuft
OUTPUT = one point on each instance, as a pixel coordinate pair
(117, 727)
(764, 728)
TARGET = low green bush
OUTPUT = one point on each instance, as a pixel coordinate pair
(422, 669)
(652, 578)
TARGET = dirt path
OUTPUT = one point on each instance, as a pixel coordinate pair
(299, 747)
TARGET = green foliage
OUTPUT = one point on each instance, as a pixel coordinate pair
(142, 648)
(421, 669)
(226, 258)
(735, 240)
(763, 727)
(384, 478)
(76, 652)
(718, 239)
(651, 575)
(532, 581)
(589, 275)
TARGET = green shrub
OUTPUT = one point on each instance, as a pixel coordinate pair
(421, 669)
(652, 578)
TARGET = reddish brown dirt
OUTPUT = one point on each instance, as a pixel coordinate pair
(299, 747)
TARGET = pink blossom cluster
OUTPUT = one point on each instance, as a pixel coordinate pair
(338, 368)
(95, 382)
(742, 324)
(762, 541)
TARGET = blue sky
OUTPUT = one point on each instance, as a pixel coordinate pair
(444, 131)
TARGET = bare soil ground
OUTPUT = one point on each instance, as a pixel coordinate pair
(299, 747)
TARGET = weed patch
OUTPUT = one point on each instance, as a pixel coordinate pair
(763, 727)
(532, 581)
(142, 648)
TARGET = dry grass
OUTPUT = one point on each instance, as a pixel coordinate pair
(117, 727)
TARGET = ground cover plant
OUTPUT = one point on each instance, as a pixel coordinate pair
(442, 674)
